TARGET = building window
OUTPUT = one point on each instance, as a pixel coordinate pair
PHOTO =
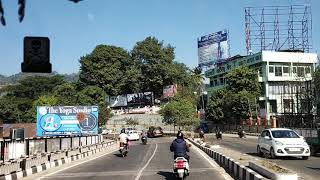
(287, 105)
(221, 81)
(273, 106)
(278, 71)
(215, 82)
(286, 69)
(308, 70)
(271, 69)
(294, 69)
(260, 72)
(211, 83)
(300, 71)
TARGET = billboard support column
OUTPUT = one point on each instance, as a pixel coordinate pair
(46, 145)
(71, 143)
(60, 143)
(27, 147)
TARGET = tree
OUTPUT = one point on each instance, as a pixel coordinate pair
(237, 99)
(154, 59)
(66, 94)
(243, 78)
(105, 67)
(17, 102)
(316, 82)
(180, 112)
(93, 95)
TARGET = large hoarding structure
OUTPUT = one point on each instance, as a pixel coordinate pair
(213, 47)
(169, 91)
(67, 120)
(276, 28)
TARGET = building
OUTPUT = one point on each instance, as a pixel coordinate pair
(282, 75)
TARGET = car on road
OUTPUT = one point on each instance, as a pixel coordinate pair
(133, 135)
(282, 142)
(155, 131)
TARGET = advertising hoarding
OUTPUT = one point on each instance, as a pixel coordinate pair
(213, 47)
(169, 91)
(118, 101)
(67, 120)
(145, 98)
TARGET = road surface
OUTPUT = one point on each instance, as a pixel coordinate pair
(144, 162)
(306, 168)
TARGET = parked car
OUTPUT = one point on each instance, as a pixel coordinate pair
(133, 135)
(282, 142)
(155, 132)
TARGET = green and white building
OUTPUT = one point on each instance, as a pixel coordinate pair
(278, 72)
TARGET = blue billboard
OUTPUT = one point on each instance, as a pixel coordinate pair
(67, 120)
(213, 47)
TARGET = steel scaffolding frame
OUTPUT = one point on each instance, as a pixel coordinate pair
(278, 28)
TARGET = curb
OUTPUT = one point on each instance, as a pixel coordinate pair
(56, 163)
(233, 167)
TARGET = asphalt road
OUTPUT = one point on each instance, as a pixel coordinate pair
(144, 162)
(307, 169)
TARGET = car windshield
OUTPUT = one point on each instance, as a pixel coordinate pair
(284, 134)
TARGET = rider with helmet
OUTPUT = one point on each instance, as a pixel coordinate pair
(180, 147)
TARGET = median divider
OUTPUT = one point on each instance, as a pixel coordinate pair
(41, 162)
(233, 167)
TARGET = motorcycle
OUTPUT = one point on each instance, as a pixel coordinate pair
(181, 167)
(144, 140)
(123, 149)
(242, 134)
(219, 135)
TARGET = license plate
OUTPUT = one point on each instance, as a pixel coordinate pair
(180, 170)
(294, 149)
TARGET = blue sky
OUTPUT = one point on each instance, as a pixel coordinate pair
(75, 29)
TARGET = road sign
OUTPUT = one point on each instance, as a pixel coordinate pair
(36, 55)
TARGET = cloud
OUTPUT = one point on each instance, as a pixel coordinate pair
(91, 17)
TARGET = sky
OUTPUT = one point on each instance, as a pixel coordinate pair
(75, 29)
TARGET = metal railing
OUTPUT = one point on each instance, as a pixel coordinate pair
(15, 149)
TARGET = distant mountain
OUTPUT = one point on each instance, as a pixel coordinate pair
(14, 79)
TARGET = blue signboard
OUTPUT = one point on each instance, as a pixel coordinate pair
(213, 47)
(67, 120)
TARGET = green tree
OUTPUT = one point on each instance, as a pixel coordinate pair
(93, 95)
(66, 94)
(16, 104)
(180, 112)
(243, 78)
(154, 59)
(316, 82)
(105, 67)
(237, 100)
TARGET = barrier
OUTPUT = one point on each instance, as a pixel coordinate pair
(233, 167)
(36, 163)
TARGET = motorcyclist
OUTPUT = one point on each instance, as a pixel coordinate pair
(143, 135)
(180, 147)
(123, 139)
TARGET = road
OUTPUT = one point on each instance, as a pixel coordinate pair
(144, 162)
(306, 168)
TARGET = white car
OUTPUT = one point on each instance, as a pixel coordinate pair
(133, 135)
(282, 142)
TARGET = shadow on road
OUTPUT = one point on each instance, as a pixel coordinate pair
(167, 175)
(313, 168)
(118, 155)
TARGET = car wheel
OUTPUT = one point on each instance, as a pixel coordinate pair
(259, 151)
(305, 157)
(272, 154)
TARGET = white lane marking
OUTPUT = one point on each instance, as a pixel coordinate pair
(224, 174)
(74, 165)
(141, 170)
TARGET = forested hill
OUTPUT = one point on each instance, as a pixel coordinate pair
(14, 79)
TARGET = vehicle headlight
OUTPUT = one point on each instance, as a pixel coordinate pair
(278, 143)
(305, 143)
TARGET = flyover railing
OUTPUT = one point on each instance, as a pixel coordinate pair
(11, 149)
